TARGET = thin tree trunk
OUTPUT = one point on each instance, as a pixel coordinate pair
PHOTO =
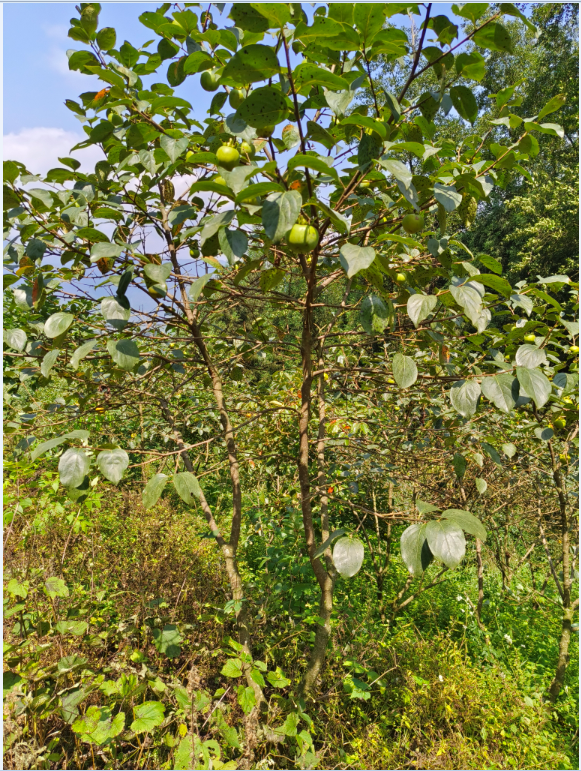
(480, 579)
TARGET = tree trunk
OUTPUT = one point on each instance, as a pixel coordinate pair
(480, 579)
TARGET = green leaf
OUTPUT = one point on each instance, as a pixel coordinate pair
(280, 211)
(348, 555)
(497, 283)
(233, 243)
(460, 465)
(468, 522)
(70, 702)
(481, 485)
(104, 250)
(552, 105)
(250, 64)
(187, 487)
(15, 338)
(472, 65)
(464, 396)
(415, 551)
(448, 196)
(148, 716)
(289, 727)
(158, 274)
(265, 106)
(115, 313)
(246, 17)
(57, 324)
(534, 384)
(369, 19)
(112, 464)
(214, 224)
(271, 278)
(325, 545)
(56, 587)
(495, 37)
(425, 508)
(312, 162)
(491, 452)
(374, 315)
(530, 356)
(77, 628)
(355, 258)
(509, 450)
(319, 134)
(81, 352)
(232, 668)
(197, 286)
(471, 11)
(405, 371)
(464, 102)
(183, 759)
(277, 13)
(258, 189)
(173, 148)
(106, 38)
(246, 698)
(490, 263)
(308, 75)
(49, 361)
(277, 679)
(501, 390)
(167, 640)
(153, 489)
(419, 307)
(98, 726)
(446, 541)
(365, 122)
(124, 353)
(73, 466)
(397, 169)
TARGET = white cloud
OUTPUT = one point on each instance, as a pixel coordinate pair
(39, 148)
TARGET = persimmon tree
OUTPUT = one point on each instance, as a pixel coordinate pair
(308, 210)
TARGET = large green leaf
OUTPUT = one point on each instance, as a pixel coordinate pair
(73, 466)
(153, 489)
(419, 307)
(355, 258)
(98, 726)
(280, 211)
(57, 324)
(501, 390)
(197, 286)
(530, 356)
(446, 541)
(397, 168)
(167, 640)
(348, 554)
(415, 551)
(369, 19)
(15, 338)
(374, 315)
(464, 102)
(115, 313)
(124, 353)
(173, 148)
(187, 487)
(495, 37)
(213, 225)
(497, 283)
(464, 396)
(312, 162)
(233, 243)
(148, 716)
(183, 759)
(232, 668)
(468, 294)
(56, 587)
(250, 64)
(467, 521)
(49, 361)
(405, 371)
(448, 196)
(81, 352)
(112, 464)
(534, 384)
(265, 106)
(246, 698)
(308, 75)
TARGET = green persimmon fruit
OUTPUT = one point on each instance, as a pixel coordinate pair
(247, 148)
(266, 131)
(236, 98)
(227, 156)
(219, 180)
(560, 423)
(210, 80)
(573, 349)
(530, 338)
(303, 238)
(412, 223)
(400, 278)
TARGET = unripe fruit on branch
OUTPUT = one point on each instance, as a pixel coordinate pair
(236, 98)
(210, 80)
(266, 131)
(227, 156)
(412, 223)
(573, 349)
(400, 278)
(303, 237)
(560, 423)
(530, 338)
(219, 180)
